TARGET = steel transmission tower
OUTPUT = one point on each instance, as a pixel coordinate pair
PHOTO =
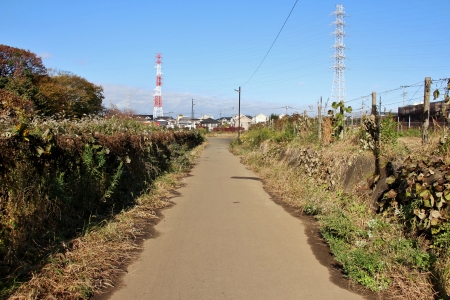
(338, 89)
(157, 107)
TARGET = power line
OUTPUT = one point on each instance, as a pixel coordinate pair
(414, 94)
(272, 43)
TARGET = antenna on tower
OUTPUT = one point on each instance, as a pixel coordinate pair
(338, 89)
(157, 107)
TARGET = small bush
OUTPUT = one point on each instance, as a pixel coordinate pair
(389, 130)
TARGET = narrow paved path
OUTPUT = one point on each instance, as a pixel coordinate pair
(226, 239)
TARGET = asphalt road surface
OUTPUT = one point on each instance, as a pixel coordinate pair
(226, 239)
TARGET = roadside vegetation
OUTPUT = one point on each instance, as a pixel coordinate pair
(388, 229)
(80, 185)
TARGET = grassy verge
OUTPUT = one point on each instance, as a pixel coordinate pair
(89, 264)
(376, 250)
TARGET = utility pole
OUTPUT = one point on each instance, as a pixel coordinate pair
(362, 109)
(319, 109)
(239, 116)
(287, 107)
(379, 124)
(404, 94)
(374, 103)
(426, 109)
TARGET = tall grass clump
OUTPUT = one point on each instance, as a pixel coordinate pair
(297, 128)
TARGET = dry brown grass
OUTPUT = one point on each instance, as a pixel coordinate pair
(327, 130)
(91, 263)
(410, 285)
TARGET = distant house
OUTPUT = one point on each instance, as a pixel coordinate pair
(224, 121)
(161, 122)
(245, 121)
(143, 117)
(186, 122)
(209, 123)
(259, 119)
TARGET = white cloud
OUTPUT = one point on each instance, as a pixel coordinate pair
(81, 62)
(45, 55)
(141, 101)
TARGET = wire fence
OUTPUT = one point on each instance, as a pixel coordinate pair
(406, 100)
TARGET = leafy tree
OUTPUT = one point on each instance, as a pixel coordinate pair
(339, 117)
(22, 86)
(77, 96)
(113, 110)
(64, 92)
(19, 62)
(19, 72)
(49, 100)
(22, 74)
(13, 105)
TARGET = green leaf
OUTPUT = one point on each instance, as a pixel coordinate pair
(39, 151)
(436, 94)
(435, 230)
(390, 179)
(419, 187)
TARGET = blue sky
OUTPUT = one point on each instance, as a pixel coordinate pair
(210, 48)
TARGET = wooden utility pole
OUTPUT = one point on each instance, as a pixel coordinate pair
(362, 109)
(320, 118)
(239, 112)
(239, 116)
(426, 109)
(376, 134)
(374, 103)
